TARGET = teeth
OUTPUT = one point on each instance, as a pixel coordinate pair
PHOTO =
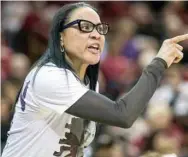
(95, 46)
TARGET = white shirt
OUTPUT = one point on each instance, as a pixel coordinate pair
(40, 127)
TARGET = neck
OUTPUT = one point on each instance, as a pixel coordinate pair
(78, 66)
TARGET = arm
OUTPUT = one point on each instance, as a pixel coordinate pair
(61, 92)
(124, 112)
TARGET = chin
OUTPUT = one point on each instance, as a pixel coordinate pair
(93, 61)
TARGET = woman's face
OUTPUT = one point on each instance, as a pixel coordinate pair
(79, 45)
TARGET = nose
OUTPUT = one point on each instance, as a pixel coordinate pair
(95, 34)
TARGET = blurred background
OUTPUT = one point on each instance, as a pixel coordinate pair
(137, 30)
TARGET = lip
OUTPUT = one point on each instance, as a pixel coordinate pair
(93, 51)
(93, 44)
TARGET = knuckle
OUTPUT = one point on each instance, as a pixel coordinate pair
(166, 41)
(181, 54)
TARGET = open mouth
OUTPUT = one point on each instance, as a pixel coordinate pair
(94, 49)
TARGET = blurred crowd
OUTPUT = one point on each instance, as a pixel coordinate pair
(136, 33)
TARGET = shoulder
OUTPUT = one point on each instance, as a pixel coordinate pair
(53, 85)
(53, 74)
(53, 79)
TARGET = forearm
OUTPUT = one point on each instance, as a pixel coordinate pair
(123, 112)
(135, 101)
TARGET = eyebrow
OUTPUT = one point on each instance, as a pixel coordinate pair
(94, 23)
(88, 21)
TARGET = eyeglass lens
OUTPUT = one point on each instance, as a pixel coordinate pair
(87, 26)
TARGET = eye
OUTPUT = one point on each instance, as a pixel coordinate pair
(86, 26)
(102, 28)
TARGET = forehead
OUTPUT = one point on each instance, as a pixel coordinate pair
(85, 13)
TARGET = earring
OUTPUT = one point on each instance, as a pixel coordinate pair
(62, 48)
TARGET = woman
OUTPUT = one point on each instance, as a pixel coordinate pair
(57, 106)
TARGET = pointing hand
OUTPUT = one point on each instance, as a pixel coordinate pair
(171, 51)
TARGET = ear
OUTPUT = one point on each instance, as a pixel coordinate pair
(61, 38)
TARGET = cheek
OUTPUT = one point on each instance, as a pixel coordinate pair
(75, 43)
(102, 43)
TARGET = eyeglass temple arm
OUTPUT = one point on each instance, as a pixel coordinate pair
(69, 24)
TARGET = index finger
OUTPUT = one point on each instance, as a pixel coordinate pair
(179, 38)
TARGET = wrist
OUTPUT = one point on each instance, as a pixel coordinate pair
(162, 61)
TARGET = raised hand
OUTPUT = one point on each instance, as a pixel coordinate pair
(171, 51)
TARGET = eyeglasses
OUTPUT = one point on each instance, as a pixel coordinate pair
(87, 26)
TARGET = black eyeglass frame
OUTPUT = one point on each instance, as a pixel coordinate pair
(79, 25)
